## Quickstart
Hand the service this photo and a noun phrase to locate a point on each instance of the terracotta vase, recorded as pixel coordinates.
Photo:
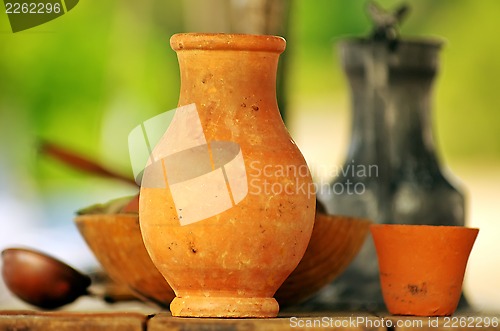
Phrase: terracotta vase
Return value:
(227, 204)
(422, 266)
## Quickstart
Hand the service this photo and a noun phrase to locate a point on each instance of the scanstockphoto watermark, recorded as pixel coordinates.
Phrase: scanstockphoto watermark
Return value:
(355, 322)
(263, 179)
(26, 14)
(350, 169)
(372, 322)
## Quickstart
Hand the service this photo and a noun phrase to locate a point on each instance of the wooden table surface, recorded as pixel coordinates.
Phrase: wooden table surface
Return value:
(28, 320)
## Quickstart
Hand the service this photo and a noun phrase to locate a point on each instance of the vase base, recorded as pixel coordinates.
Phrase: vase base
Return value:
(224, 307)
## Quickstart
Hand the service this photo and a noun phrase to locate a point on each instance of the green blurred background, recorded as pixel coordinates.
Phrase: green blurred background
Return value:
(87, 78)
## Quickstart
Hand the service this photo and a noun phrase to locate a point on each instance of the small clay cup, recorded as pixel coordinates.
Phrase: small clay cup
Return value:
(422, 266)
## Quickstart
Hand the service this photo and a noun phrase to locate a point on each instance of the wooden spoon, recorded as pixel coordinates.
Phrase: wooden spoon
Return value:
(42, 280)
(80, 162)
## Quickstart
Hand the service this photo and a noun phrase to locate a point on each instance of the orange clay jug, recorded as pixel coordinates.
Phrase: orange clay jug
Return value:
(227, 203)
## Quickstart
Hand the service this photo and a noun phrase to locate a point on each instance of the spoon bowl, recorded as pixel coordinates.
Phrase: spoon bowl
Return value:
(40, 279)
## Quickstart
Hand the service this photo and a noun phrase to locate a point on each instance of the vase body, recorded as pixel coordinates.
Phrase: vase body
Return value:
(391, 173)
(226, 259)
(422, 267)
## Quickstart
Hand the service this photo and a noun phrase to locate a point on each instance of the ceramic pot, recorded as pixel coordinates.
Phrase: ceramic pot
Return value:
(422, 267)
(227, 203)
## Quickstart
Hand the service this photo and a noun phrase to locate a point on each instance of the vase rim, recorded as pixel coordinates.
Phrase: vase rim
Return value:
(226, 41)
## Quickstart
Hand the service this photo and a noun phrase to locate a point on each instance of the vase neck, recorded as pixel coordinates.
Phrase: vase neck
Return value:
(232, 81)
(227, 67)
(219, 75)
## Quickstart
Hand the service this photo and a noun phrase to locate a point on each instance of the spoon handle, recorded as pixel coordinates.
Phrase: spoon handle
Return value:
(79, 162)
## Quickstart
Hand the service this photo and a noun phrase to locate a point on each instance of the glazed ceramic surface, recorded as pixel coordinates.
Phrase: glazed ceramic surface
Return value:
(227, 204)
(422, 267)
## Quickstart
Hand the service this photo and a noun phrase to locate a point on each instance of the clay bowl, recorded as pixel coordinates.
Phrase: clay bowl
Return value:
(335, 241)
(117, 244)
(422, 266)
(116, 241)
